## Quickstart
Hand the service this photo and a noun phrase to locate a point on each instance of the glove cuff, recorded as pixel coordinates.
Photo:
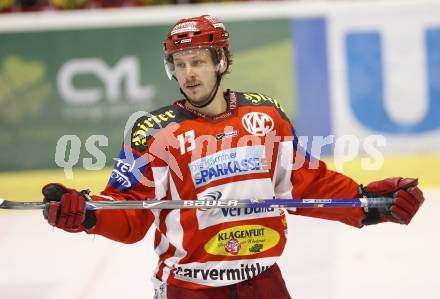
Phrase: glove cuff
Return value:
(372, 215)
(89, 220)
(90, 216)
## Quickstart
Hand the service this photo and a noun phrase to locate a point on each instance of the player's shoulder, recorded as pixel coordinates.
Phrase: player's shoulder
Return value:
(148, 124)
(259, 99)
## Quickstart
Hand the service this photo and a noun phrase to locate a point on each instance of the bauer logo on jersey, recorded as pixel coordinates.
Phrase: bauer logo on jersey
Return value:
(228, 163)
(127, 169)
(257, 123)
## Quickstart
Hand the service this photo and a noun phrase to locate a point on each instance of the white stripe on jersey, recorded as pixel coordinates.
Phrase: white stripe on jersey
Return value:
(174, 233)
(164, 243)
(163, 246)
(282, 183)
(160, 178)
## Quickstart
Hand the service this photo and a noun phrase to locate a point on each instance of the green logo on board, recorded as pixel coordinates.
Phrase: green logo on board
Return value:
(24, 89)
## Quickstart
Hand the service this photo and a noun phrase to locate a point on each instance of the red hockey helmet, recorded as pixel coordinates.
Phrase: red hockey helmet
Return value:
(199, 32)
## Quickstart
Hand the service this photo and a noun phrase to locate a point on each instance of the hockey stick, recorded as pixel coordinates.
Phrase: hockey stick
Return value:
(374, 202)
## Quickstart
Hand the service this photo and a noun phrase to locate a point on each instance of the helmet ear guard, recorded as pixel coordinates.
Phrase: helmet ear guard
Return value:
(169, 66)
(221, 57)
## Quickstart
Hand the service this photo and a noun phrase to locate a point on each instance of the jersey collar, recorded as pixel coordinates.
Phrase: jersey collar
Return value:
(232, 105)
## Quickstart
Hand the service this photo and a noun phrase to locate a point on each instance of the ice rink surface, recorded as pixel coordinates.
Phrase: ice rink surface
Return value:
(322, 260)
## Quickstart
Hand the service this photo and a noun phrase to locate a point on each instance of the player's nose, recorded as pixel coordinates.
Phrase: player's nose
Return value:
(189, 71)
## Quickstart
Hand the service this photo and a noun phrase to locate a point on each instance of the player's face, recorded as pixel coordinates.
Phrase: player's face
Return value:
(196, 73)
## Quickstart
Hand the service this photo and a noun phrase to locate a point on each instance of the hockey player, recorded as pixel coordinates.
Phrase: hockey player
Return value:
(217, 143)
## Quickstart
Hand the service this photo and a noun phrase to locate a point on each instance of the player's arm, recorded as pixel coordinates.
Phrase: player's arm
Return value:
(325, 183)
(310, 178)
(137, 175)
(67, 206)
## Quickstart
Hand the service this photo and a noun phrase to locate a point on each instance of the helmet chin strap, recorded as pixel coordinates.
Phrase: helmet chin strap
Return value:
(209, 99)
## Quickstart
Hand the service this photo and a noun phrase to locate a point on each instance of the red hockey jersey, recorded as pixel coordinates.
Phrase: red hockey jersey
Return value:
(250, 151)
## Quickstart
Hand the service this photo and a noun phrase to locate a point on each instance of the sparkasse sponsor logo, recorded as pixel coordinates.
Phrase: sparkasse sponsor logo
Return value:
(227, 163)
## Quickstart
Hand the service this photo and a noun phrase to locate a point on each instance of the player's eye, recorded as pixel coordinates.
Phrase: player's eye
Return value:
(179, 65)
(197, 62)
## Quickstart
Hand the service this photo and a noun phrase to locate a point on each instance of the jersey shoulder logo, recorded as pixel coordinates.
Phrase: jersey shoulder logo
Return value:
(259, 99)
(149, 124)
(257, 123)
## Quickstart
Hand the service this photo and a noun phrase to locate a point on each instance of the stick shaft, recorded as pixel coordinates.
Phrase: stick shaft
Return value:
(225, 203)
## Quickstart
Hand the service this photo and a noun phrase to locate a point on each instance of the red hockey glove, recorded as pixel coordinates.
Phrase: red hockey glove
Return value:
(407, 200)
(67, 208)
